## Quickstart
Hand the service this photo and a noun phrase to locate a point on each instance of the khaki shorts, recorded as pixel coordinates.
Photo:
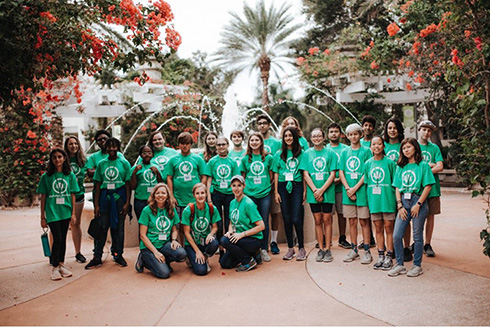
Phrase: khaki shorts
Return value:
(383, 216)
(275, 207)
(434, 205)
(338, 206)
(351, 211)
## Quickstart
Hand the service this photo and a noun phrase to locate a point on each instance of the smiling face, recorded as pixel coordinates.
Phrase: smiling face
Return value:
(72, 146)
(425, 133)
(291, 123)
(392, 131)
(112, 150)
(101, 141)
(236, 139)
(158, 142)
(211, 140)
(222, 147)
(161, 196)
(146, 154)
(368, 128)
(58, 159)
(317, 137)
(200, 195)
(254, 142)
(408, 150)
(263, 126)
(354, 137)
(237, 188)
(377, 145)
(288, 138)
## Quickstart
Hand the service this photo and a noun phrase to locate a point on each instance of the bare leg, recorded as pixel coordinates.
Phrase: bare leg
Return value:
(389, 225)
(429, 228)
(380, 235)
(353, 230)
(327, 224)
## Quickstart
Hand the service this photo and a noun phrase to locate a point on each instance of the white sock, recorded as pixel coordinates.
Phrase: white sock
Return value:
(274, 235)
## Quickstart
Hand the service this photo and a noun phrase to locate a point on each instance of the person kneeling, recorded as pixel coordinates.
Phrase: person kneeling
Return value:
(200, 221)
(242, 241)
(158, 234)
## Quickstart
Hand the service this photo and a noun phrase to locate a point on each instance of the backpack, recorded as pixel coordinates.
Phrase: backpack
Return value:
(193, 211)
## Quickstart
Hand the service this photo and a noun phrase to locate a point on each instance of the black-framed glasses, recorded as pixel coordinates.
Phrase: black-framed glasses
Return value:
(263, 123)
(221, 144)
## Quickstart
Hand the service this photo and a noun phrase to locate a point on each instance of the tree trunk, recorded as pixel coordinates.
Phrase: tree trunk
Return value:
(265, 67)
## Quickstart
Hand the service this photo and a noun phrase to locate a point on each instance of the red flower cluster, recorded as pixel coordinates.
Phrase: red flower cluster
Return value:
(455, 59)
(392, 29)
(313, 51)
(428, 30)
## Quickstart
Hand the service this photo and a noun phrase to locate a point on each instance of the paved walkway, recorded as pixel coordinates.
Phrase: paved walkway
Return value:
(452, 291)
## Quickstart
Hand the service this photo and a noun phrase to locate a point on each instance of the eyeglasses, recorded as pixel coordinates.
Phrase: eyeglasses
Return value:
(263, 123)
(221, 144)
(100, 139)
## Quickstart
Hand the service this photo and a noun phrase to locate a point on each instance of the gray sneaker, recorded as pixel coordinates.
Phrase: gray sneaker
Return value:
(351, 256)
(265, 256)
(397, 270)
(328, 256)
(367, 258)
(387, 263)
(379, 264)
(289, 255)
(320, 255)
(301, 255)
(415, 271)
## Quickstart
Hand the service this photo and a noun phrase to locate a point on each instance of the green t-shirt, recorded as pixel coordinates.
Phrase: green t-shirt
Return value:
(304, 143)
(257, 175)
(289, 170)
(112, 174)
(432, 154)
(392, 151)
(352, 164)
(160, 159)
(413, 178)
(159, 226)
(378, 177)
(338, 150)
(319, 165)
(202, 223)
(186, 171)
(243, 216)
(146, 179)
(58, 189)
(97, 157)
(365, 143)
(79, 174)
(237, 156)
(221, 170)
(272, 145)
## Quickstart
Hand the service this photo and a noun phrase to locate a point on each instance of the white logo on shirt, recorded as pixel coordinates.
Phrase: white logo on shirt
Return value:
(161, 161)
(408, 178)
(163, 223)
(377, 174)
(223, 171)
(185, 168)
(200, 225)
(149, 176)
(319, 163)
(111, 173)
(392, 154)
(353, 163)
(75, 168)
(267, 148)
(292, 164)
(257, 168)
(60, 186)
(427, 156)
(234, 216)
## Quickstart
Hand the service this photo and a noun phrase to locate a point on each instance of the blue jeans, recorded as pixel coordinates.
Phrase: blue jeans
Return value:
(418, 230)
(222, 202)
(162, 270)
(239, 252)
(208, 250)
(117, 234)
(139, 205)
(293, 211)
(264, 206)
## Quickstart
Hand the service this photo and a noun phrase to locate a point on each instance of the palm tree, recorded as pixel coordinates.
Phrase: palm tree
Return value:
(261, 40)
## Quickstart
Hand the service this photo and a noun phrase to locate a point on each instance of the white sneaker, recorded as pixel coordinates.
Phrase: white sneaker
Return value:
(415, 271)
(55, 273)
(351, 256)
(366, 258)
(397, 270)
(64, 272)
(208, 267)
(265, 256)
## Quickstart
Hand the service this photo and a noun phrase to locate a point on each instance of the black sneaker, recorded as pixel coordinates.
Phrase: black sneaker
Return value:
(412, 247)
(407, 255)
(94, 263)
(361, 245)
(428, 251)
(343, 243)
(249, 266)
(80, 258)
(139, 264)
(258, 257)
(274, 248)
(120, 261)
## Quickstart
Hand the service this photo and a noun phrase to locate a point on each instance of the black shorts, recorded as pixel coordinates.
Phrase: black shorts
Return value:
(321, 207)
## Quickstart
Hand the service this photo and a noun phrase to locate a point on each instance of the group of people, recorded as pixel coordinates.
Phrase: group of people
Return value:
(192, 206)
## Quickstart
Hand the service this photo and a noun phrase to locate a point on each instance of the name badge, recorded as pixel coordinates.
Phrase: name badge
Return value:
(376, 190)
(288, 177)
(162, 237)
(407, 196)
(187, 177)
(353, 175)
(149, 189)
(60, 200)
(223, 184)
(257, 180)
(319, 176)
(111, 186)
